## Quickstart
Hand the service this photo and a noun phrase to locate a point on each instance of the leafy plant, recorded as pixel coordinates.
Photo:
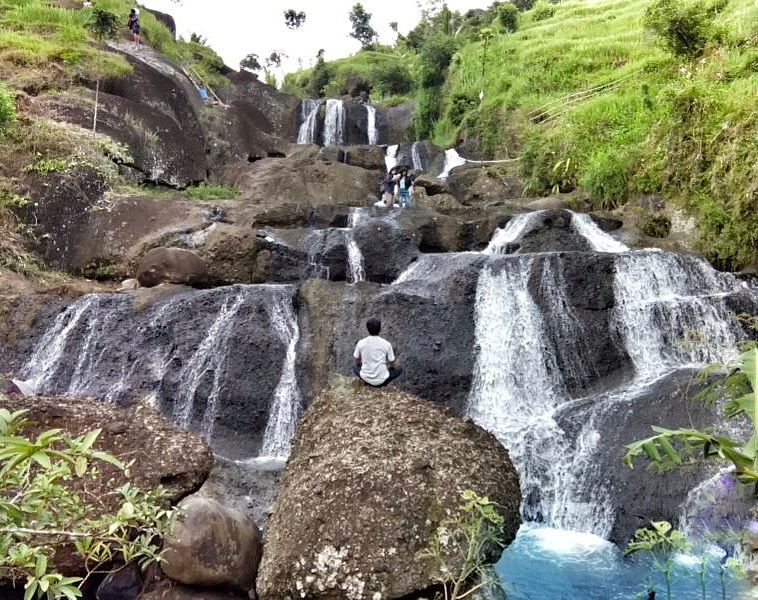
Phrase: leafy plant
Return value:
(7, 108)
(45, 504)
(104, 26)
(542, 10)
(459, 547)
(685, 26)
(507, 16)
(660, 541)
(669, 448)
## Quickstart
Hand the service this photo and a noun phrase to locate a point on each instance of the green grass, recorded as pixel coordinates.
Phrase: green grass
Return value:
(208, 191)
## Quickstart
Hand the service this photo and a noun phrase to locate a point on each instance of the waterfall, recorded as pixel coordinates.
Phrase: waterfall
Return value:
(309, 110)
(373, 133)
(209, 358)
(514, 230)
(390, 157)
(334, 123)
(418, 165)
(598, 239)
(452, 160)
(516, 386)
(194, 352)
(287, 404)
(356, 271)
(671, 311)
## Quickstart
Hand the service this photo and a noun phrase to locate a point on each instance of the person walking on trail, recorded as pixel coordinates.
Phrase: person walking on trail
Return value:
(375, 358)
(134, 27)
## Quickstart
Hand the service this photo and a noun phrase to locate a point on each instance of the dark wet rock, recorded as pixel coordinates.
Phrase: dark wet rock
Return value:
(431, 184)
(396, 123)
(365, 157)
(422, 157)
(172, 265)
(211, 545)
(125, 583)
(164, 18)
(169, 591)
(356, 122)
(637, 495)
(387, 249)
(554, 232)
(380, 468)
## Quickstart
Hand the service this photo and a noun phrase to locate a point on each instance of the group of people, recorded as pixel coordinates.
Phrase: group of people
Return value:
(398, 188)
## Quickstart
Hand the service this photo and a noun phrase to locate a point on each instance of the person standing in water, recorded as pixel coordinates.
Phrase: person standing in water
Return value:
(134, 27)
(375, 358)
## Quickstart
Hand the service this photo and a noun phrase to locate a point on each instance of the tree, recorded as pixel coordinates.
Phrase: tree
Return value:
(393, 26)
(104, 25)
(46, 503)
(251, 63)
(684, 27)
(507, 15)
(196, 38)
(294, 19)
(275, 59)
(362, 30)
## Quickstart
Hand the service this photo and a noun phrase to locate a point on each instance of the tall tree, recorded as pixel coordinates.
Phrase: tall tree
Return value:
(362, 29)
(294, 19)
(104, 26)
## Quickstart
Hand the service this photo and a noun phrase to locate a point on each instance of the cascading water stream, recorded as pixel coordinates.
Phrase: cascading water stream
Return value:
(188, 356)
(309, 110)
(452, 160)
(515, 229)
(356, 270)
(598, 239)
(418, 164)
(287, 404)
(334, 123)
(390, 157)
(371, 130)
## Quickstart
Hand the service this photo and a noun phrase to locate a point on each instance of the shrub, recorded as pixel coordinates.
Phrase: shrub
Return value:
(657, 226)
(320, 77)
(7, 108)
(523, 5)
(606, 176)
(542, 10)
(392, 79)
(460, 104)
(685, 26)
(436, 54)
(45, 504)
(427, 112)
(507, 16)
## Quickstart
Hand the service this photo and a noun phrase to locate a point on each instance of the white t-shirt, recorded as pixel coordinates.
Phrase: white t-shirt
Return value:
(375, 352)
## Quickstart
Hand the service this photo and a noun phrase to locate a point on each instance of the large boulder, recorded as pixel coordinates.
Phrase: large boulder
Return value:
(172, 265)
(478, 185)
(371, 474)
(212, 545)
(387, 249)
(396, 123)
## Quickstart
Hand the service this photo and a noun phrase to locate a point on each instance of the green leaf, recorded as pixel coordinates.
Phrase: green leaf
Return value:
(81, 466)
(41, 458)
(89, 439)
(40, 567)
(31, 589)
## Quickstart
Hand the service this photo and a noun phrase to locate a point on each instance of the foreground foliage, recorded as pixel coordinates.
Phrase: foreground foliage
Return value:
(670, 448)
(46, 507)
(459, 547)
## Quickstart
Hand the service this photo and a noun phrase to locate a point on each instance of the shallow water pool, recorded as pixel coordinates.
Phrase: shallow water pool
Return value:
(554, 564)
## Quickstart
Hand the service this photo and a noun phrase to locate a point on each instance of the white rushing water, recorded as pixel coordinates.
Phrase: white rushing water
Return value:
(516, 387)
(671, 311)
(287, 404)
(452, 160)
(418, 164)
(355, 269)
(599, 239)
(309, 110)
(373, 132)
(514, 230)
(390, 157)
(334, 123)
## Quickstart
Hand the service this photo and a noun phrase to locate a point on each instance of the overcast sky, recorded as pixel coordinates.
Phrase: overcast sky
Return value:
(235, 28)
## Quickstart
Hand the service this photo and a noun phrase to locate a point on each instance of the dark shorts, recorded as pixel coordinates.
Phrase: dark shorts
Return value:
(136, 29)
(395, 372)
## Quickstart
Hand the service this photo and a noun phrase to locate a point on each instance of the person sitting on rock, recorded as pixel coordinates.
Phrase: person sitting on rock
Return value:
(375, 358)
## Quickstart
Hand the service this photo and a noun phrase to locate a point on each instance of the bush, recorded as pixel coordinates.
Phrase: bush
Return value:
(320, 77)
(542, 10)
(427, 112)
(436, 54)
(7, 108)
(507, 16)
(523, 5)
(607, 175)
(685, 26)
(392, 79)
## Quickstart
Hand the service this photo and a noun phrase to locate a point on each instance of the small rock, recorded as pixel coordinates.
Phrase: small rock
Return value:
(212, 545)
(129, 284)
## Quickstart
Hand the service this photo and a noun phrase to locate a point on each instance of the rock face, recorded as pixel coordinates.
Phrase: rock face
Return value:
(379, 469)
(212, 545)
(172, 265)
(164, 454)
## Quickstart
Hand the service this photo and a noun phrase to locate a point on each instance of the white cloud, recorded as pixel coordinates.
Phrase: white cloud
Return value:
(235, 28)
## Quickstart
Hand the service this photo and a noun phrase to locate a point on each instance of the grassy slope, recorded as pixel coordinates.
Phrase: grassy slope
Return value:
(688, 130)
